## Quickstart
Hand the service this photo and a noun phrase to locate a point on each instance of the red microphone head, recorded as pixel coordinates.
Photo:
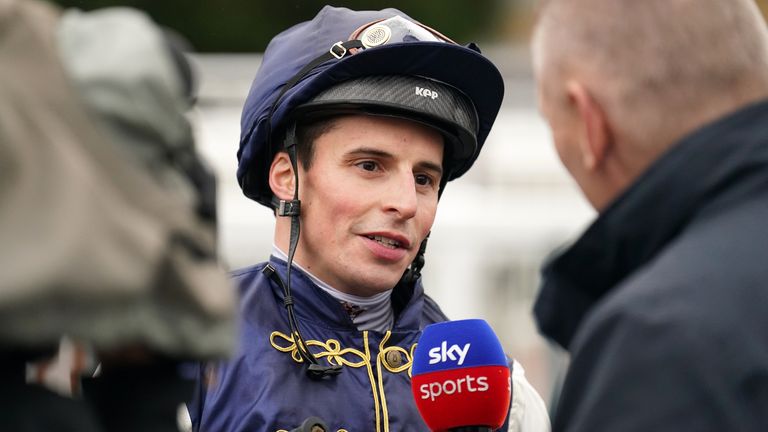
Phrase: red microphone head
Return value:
(461, 376)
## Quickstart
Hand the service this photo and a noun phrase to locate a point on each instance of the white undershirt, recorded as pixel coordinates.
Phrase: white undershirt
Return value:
(368, 313)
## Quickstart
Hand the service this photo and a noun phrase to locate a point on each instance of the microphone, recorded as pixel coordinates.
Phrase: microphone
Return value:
(461, 379)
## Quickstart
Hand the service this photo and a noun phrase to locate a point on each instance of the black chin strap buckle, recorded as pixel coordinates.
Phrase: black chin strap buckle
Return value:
(317, 371)
(289, 208)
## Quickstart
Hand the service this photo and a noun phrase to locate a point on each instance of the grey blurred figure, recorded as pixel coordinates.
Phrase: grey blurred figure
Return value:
(107, 219)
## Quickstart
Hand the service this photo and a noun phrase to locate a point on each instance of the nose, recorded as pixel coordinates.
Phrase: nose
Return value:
(401, 197)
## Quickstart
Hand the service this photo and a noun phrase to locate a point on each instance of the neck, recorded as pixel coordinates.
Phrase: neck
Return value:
(366, 312)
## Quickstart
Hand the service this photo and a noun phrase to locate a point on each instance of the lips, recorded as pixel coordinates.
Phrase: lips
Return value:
(389, 247)
(386, 242)
(390, 240)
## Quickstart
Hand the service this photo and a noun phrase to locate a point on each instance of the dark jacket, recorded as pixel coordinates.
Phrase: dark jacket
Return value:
(264, 388)
(663, 302)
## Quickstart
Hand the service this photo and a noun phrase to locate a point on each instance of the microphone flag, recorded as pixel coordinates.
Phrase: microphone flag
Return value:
(461, 376)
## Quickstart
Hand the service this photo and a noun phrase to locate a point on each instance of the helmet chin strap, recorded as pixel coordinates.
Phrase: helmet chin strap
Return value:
(413, 272)
(292, 209)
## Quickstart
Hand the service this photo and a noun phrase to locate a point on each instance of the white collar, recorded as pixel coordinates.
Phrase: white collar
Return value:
(368, 313)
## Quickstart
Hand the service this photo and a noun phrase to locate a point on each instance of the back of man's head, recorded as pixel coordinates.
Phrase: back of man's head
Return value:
(658, 68)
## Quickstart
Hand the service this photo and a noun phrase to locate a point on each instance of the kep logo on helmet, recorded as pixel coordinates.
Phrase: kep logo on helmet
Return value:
(426, 92)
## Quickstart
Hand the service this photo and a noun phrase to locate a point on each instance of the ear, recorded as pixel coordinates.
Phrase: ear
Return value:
(281, 177)
(598, 137)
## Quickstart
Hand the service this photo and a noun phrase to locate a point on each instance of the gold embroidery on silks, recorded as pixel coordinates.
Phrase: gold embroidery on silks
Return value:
(410, 361)
(331, 349)
(408, 356)
(373, 382)
(379, 359)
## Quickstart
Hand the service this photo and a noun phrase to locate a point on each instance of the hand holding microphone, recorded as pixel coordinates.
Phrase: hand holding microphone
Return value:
(461, 379)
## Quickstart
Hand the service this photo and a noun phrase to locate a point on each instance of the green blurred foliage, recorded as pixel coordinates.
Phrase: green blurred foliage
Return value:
(248, 25)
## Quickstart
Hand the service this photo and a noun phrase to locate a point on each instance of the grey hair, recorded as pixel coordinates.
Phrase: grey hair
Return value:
(653, 62)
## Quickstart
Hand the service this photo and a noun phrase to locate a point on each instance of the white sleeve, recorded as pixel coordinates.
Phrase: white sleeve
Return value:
(528, 412)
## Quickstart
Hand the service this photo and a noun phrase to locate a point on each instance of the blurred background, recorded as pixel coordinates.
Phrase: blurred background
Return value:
(495, 226)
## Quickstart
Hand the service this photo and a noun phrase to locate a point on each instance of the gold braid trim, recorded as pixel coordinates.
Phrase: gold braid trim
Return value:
(373, 382)
(408, 356)
(331, 349)
(382, 361)
(379, 362)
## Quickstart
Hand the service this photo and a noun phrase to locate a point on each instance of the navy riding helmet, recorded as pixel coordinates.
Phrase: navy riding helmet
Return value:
(376, 62)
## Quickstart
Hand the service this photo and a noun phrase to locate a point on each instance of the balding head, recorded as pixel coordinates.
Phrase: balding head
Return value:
(657, 69)
(652, 61)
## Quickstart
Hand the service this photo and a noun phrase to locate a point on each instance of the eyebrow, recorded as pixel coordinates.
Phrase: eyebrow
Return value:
(368, 151)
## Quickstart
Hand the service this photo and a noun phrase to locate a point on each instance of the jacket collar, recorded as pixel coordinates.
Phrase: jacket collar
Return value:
(312, 304)
(649, 214)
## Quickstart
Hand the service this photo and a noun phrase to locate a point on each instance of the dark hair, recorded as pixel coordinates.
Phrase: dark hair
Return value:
(307, 132)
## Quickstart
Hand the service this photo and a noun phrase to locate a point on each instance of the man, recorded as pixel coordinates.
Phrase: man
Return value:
(658, 110)
(354, 124)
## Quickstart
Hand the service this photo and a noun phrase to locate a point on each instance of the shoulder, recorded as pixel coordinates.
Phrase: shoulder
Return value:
(254, 290)
(725, 244)
(431, 312)
(247, 272)
(711, 275)
(248, 278)
(651, 311)
(663, 333)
